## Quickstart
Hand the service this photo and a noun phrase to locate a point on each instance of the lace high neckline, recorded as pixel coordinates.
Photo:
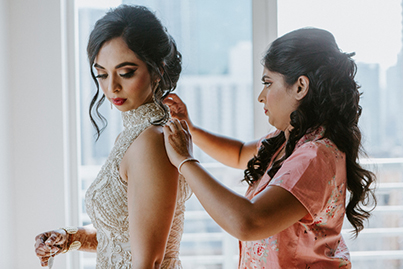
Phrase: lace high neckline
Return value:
(145, 113)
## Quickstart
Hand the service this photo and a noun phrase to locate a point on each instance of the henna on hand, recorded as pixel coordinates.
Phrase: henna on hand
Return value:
(50, 243)
(58, 241)
(178, 141)
(87, 236)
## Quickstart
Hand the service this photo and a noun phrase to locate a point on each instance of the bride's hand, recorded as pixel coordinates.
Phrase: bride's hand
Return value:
(178, 141)
(50, 243)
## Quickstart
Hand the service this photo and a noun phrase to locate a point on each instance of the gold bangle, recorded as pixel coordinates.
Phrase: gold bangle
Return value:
(70, 230)
(74, 245)
(184, 161)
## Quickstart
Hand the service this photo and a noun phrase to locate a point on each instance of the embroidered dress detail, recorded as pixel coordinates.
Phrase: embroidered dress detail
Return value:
(106, 200)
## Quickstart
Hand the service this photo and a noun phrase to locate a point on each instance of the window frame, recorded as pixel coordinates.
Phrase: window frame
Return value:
(71, 121)
(262, 34)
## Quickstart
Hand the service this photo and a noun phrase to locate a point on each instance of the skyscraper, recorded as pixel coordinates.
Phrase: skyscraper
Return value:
(394, 116)
(370, 121)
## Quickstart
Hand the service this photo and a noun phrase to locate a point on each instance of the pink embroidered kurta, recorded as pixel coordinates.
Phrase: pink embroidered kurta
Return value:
(315, 174)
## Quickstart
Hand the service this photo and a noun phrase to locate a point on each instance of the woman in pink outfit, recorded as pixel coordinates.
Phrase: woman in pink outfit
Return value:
(299, 175)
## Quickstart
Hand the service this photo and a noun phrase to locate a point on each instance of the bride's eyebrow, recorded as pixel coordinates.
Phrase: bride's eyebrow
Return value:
(118, 66)
(125, 63)
(265, 77)
(98, 66)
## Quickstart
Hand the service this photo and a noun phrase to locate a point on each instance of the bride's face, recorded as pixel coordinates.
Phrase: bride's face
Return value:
(122, 76)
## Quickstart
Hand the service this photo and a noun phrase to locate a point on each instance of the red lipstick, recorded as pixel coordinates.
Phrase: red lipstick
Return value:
(118, 101)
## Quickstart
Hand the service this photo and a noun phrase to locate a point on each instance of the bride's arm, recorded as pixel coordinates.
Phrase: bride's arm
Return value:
(152, 187)
(87, 236)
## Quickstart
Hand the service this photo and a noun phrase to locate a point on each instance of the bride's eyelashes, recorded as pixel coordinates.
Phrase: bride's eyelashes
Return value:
(128, 74)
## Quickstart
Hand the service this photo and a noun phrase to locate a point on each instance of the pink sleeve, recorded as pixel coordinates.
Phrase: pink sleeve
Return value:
(307, 174)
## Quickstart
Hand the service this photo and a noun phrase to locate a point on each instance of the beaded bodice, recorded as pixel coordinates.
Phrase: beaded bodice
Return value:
(106, 200)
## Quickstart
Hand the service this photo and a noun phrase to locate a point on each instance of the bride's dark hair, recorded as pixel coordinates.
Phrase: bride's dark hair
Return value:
(149, 40)
(332, 102)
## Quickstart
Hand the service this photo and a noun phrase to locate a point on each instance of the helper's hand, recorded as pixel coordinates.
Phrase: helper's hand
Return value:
(178, 109)
(50, 243)
(178, 141)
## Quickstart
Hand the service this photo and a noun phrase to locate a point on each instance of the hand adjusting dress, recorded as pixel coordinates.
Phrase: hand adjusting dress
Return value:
(106, 200)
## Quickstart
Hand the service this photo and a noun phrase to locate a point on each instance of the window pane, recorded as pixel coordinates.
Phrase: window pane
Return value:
(215, 39)
(373, 30)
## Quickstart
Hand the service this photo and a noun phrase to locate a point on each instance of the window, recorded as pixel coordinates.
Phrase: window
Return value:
(217, 83)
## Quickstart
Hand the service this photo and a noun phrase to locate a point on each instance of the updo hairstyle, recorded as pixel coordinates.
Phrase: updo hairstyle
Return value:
(149, 40)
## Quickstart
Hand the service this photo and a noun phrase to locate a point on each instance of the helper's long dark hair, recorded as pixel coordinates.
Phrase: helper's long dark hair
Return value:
(332, 101)
(149, 40)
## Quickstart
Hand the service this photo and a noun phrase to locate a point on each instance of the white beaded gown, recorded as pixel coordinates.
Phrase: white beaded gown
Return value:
(106, 200)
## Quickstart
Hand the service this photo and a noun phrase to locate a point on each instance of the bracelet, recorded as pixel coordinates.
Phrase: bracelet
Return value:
(74, 245)
(184, 161)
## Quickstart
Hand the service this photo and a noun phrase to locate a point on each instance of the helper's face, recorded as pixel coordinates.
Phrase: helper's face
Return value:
(278, 99)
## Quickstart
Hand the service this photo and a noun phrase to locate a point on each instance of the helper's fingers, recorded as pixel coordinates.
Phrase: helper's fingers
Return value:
(174, 97)
(170, 126)
(167, 129)
(169, 102)
(175, 125)
(184, 125)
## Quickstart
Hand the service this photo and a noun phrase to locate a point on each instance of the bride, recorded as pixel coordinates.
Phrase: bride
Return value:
(136, 203)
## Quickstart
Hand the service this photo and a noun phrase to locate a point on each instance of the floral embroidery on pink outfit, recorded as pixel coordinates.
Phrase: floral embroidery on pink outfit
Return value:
(316, 175)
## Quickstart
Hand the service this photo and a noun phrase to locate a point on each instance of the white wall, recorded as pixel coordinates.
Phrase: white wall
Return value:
(6, 184)
(32, 179)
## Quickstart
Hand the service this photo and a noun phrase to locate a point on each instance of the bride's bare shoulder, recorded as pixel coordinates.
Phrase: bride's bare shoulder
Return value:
(147, 150)
(149, 143)
(151, 135)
